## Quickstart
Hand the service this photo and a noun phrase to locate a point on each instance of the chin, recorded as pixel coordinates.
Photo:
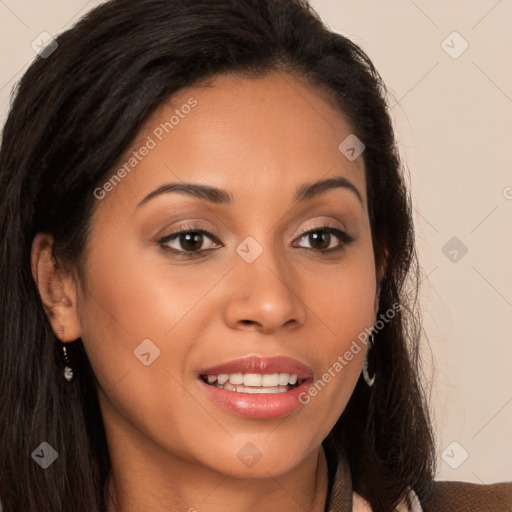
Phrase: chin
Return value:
(249, 462)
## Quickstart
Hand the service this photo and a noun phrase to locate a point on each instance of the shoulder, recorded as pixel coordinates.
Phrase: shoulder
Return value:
(454, 496)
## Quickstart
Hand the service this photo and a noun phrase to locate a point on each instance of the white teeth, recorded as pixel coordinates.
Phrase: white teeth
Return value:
(252, 390)
(221, 379)
(255, 380)
(236, 378)
(252, 379)
(263, 390)
(269, 381)
(229, 386)
(283, 379)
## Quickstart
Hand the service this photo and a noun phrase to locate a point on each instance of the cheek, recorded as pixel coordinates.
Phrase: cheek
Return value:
(132, 290)
(342, 297)
(342, 306)
(127, 303)
(135, 295)
(122, 306)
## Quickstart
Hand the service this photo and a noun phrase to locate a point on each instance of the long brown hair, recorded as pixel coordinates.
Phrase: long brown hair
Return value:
(74, 113)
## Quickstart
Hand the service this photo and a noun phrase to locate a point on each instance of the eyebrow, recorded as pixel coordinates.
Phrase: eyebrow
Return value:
(215, 195)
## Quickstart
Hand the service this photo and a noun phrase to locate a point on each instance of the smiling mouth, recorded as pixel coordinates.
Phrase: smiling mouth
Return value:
(254, 382)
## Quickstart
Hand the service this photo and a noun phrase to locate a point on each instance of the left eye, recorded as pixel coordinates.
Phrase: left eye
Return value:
(323, 236)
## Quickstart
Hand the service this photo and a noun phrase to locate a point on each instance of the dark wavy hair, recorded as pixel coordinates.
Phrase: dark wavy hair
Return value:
(73, 115)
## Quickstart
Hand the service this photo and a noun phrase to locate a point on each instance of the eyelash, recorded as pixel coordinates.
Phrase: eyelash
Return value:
(345, 240)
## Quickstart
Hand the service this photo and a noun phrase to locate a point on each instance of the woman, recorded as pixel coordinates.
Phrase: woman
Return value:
(207, 261)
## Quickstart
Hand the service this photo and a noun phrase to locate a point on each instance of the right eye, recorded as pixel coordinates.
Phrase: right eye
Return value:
(188, 241)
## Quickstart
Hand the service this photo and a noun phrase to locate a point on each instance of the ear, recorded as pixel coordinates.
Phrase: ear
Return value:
(57, 288)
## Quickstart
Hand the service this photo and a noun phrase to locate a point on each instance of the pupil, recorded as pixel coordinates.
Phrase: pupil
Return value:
(323, 237)
(189, 241)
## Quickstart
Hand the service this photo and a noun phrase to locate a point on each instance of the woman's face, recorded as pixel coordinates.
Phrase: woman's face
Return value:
(154, 317)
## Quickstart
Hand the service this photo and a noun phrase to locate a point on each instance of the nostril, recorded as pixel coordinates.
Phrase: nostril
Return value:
(248, 322)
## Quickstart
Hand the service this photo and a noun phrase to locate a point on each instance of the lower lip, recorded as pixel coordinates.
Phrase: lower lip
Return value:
(259, 406)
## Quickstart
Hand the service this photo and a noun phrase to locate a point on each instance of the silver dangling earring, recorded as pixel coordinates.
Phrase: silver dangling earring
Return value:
(68, 371)
(366, 376)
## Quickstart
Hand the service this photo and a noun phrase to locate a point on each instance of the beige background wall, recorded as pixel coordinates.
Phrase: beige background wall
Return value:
(453, 109)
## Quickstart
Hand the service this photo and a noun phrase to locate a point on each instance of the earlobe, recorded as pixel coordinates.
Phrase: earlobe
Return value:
(57, 289)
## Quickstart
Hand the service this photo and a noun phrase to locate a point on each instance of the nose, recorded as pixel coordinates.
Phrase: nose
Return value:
(265, 295)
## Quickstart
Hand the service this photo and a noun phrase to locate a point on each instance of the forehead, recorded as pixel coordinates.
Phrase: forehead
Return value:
(257, 137)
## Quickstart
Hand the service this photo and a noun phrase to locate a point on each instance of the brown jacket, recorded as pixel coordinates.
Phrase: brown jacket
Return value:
(446, 496)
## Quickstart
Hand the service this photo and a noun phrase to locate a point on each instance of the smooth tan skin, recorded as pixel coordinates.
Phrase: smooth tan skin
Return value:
(172, 449)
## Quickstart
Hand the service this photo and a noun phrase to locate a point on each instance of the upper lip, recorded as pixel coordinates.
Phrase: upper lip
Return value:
(262, 365)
